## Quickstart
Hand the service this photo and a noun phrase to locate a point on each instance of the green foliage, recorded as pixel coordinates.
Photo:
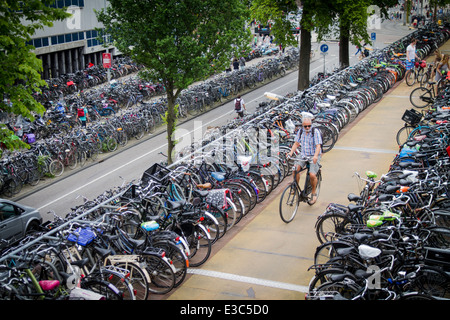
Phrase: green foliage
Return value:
(179, 42)
(20, 67)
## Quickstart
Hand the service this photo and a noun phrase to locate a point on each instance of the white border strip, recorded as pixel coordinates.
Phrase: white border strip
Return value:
(256, 281)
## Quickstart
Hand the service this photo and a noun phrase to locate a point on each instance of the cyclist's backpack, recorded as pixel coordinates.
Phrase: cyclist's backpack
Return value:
(237, 105)
(80, 112)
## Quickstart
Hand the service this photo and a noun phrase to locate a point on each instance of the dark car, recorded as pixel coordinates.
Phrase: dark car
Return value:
(16, 220)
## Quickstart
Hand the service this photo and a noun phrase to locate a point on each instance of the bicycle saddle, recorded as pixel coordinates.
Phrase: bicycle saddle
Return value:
(173, 205)
(200, 193)
(150, 225)
(219, 176)
(353, 197)
(204, 186)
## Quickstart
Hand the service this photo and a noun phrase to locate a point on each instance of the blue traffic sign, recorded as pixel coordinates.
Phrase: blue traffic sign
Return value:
(373, 36)
(324, 48)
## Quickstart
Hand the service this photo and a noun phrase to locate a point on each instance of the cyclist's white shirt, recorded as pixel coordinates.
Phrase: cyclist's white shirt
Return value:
(410, 52)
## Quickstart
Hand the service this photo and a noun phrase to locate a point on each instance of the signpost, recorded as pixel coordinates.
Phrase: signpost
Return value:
(107, 62)
(324, 49)
(373, 37)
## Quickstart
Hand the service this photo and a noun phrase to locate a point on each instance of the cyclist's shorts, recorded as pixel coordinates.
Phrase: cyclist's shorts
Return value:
(409, 64)
(313, 168)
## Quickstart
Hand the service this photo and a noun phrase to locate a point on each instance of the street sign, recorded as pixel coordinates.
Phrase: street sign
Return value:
(373, 36)
(324, 48)
(107, 60)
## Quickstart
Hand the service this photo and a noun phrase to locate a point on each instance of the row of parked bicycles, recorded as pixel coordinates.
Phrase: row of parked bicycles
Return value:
(141, 238)
(111, 126)
(392, 241)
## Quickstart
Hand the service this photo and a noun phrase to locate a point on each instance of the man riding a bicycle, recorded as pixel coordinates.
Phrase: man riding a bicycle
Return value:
(310, 141)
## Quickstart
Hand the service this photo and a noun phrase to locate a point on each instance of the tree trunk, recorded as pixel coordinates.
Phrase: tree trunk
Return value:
(171, 120)
(344, 59)
(305, 57)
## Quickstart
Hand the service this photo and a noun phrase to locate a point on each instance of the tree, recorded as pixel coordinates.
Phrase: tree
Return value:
(314, 16)
(20, 76)
(178, 42)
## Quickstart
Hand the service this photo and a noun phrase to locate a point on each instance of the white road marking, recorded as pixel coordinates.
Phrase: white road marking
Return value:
(250, 280)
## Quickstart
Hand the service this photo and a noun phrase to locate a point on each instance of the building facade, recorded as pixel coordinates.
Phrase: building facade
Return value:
(71, 45)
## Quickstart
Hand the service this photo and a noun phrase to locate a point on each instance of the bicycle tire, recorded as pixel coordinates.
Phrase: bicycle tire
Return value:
(56, 168)
(178, 258)
(421, 97)
(162, 276)
(331, 225)
(120, 281)
(138, 279)
(199, 243)
(289, 198)
(104, 288)
(410, 78)
(403, 134)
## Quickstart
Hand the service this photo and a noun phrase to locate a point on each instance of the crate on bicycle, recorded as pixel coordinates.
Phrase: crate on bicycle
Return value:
(157, 173)
(412, 117)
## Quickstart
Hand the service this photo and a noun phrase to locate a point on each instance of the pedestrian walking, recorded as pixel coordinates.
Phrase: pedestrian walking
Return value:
(235, 64)
(442, 67)
(82, 115)
(242, 63)
(239, 106)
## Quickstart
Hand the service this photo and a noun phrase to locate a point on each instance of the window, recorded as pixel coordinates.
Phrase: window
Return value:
(37, 43)
(75, 36)
(68, 37)
(54, 40)
(81, 35)
(60, 39)
(89, 42)
(88, 34)
(7, 211)
(45, 42)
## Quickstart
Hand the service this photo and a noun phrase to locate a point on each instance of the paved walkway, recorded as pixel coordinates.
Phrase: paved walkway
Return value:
(267, 259)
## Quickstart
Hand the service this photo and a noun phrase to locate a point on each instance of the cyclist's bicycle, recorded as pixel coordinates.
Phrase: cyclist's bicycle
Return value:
(293, 194)
(417, 74)
(423, 97)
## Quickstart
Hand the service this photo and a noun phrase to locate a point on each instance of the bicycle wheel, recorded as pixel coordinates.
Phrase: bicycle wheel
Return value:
(162, 276)
(138, 279)
(422, 77)
(178, 258)
(342, 289)
(216, 222)
(56, 168)
(410, 78)
(111, 144)
(119, 280)
(403, 134)
(72, 160)
(104, 288)
(332, 225)
(421, 97)
(199, 243)
(431, 281)
(289, 202)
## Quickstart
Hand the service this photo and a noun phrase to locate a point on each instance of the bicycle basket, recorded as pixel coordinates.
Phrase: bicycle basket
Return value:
(423, 64)
(157, 173)
(416, 64)
(412, 117)
(130, 193)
